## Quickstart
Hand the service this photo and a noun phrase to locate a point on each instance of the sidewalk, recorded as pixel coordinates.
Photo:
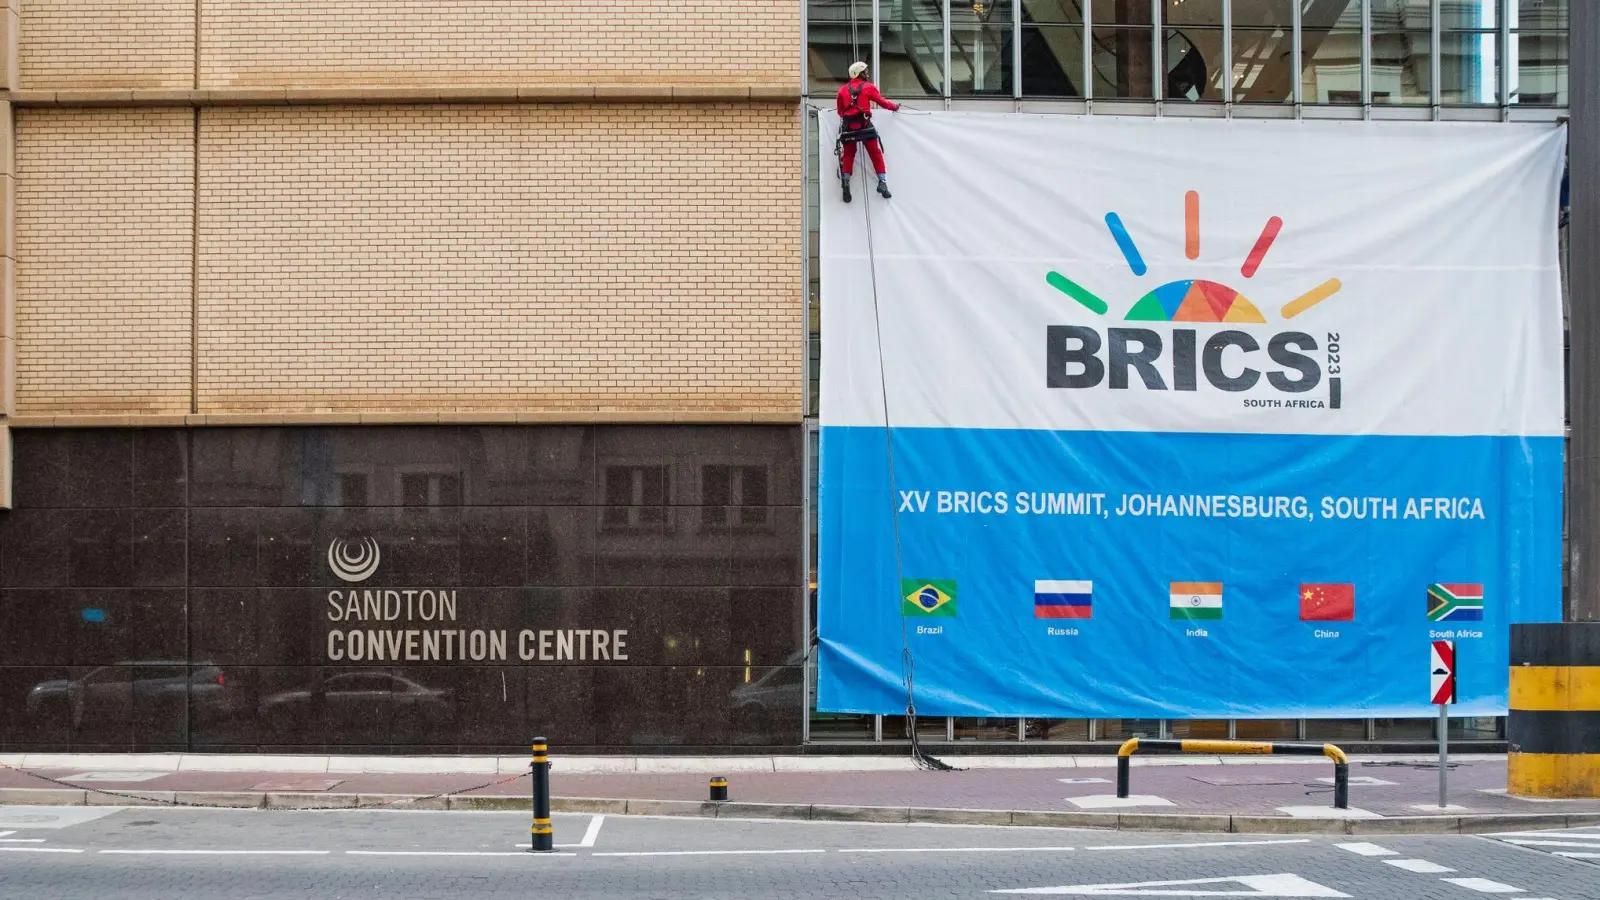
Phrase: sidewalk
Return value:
(1180, 793)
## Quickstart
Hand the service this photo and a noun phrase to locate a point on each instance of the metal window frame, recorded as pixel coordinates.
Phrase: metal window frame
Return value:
(1366, 58)
(1088, 56)
(1503, 60)
(877, 39)
(1436, 64)
(949, 84)
(1158, 69)
(1297, 57)
(1016, 71)
(1227, 57)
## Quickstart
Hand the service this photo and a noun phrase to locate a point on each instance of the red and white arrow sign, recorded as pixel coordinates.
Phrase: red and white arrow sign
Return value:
(1443, 672)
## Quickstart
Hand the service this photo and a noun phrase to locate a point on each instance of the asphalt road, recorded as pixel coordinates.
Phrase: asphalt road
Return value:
(87, 853)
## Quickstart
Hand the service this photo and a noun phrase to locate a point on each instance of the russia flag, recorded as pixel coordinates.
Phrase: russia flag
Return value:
(1063, 599)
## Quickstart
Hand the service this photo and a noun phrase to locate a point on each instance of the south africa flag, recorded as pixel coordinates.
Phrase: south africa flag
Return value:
(1455, 603)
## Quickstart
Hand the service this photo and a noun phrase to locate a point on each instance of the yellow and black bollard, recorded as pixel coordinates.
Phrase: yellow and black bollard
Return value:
(1553, 731)
(544, 836)
(719, 789)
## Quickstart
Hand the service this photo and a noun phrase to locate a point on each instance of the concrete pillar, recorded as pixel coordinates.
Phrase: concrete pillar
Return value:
(1583, 279)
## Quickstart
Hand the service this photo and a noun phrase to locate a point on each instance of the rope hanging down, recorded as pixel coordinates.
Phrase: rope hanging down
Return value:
(922, 758)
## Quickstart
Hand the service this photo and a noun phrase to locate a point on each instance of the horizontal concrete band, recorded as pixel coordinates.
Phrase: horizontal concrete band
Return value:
(1553, 774)
(545, 93)
(556, 417)
(1555, 688)
(1555, 644)
(1467, 824)
(1553, 731)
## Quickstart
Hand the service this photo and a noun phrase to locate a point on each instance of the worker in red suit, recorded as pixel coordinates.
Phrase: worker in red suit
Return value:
(855, 127)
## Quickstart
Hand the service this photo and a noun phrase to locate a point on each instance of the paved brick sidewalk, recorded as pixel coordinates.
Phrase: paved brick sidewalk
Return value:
(1382, 786)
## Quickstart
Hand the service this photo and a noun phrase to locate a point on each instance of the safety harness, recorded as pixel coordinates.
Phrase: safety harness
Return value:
(855, 125)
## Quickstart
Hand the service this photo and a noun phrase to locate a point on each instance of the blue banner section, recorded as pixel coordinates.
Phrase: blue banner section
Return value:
(1136, 575)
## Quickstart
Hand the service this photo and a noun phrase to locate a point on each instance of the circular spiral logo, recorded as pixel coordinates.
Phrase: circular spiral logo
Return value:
(353, 560)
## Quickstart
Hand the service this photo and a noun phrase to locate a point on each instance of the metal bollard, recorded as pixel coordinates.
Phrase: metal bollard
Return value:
(1341, 785)
(719, 789)
(1123, 764)
(544, 837)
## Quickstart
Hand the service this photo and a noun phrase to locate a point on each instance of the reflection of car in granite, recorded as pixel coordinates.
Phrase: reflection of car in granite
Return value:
(151, 688)
(352, 695)
(774, 697)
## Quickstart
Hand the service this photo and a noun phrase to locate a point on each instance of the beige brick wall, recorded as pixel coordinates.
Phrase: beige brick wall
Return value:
(340, 43)
(108, 43)
(249, 43)
(104, 205)
(500, 257)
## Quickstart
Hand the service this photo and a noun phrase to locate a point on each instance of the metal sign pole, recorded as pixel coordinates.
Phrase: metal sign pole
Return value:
(1444, 752)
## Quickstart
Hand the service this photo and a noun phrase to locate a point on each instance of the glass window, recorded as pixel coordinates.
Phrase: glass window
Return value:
(1330, 52)
(1469, 68)
(911, 51)
(929, 729)
(1122, 729)
(1404, 730)
(1266, 729)
(1537, 57)
(1402, 49)
(1056, 729)
(1122, 63)
(1122, 12)
(1052, 60)
(1263, 62)
(981, 57)
(1336, 729)
(1263, 13)
(1480, 728)
(986, 729)
(1539, 15)
(840, 32)
(1052, 48)
(1199, 729)
(1193, 57)
(1539, 69)
(1468, 14)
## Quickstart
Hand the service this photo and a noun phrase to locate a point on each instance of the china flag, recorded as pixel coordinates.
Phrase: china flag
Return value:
(1327, 602)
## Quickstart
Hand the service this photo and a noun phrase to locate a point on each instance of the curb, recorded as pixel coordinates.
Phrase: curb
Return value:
(1178, 822)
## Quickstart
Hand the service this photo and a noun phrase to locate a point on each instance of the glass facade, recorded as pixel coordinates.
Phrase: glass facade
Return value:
(1330, 58)
(1376, 53)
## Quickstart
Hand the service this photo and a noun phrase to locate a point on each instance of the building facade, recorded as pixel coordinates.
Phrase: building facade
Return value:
(405, 377)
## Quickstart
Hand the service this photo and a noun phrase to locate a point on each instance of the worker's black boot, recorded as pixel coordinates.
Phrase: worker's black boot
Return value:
(845, 183)
(883, 188)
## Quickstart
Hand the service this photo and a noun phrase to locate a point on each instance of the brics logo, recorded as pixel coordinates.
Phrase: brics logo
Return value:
(1294, 362)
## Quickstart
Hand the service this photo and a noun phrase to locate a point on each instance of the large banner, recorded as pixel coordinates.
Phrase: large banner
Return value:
(1187, 418)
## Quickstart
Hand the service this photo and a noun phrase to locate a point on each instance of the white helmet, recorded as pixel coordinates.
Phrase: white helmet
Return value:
(856, 68)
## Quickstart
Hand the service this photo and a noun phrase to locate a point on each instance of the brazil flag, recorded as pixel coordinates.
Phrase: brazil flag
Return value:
(928, 598)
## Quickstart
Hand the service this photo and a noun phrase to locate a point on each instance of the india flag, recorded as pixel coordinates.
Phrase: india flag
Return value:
(1196, 599)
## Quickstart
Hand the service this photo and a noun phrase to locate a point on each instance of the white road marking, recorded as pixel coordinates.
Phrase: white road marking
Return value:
(1420, 866)
(1361, 781)
(1484, 885)
(1327, 812)
(952, 849)
(1529, 842)
(1362, 848)
(1084, 780)
(1200, 844)
(37, 850)
(219, 852)
(1570, 855)
(1436, 808)
(1284, 885)
(1112, 801)
(593, 831)
(703, 852)
(450, 854)
(21, 840)
(115, 776)
(6, 833)
(1551, 832)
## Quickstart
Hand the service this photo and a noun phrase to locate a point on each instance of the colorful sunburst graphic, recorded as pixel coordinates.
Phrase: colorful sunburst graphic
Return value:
(1193, 299)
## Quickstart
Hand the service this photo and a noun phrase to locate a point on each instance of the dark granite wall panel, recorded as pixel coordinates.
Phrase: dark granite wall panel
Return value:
(612, 587)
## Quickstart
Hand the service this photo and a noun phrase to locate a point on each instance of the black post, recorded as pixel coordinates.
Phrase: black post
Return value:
(719, 789)
(1123, 765)
(544, 836)
(1583, 283)
(1341, 785)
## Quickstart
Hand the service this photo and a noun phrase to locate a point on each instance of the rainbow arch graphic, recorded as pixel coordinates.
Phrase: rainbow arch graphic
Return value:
(1193, 299)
